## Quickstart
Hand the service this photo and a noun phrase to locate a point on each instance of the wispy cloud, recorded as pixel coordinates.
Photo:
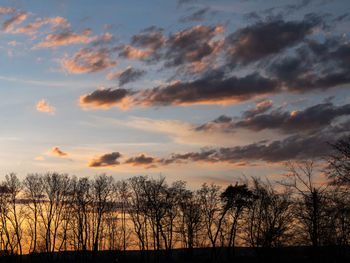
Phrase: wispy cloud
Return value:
(7, 10)
(15, 20)
(55, 22)
(65, 38)
(87, 60)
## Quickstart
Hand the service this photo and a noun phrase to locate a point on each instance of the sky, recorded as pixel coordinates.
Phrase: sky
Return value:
(201, 91)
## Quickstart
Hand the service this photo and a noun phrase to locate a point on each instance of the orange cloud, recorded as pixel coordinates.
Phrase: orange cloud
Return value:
(7, 10)
(8, 25)
(53, 21)
(142, 160)
(13, 43)
(87, 60)
(58, 152)
(134, 53)
(105, 98)
(43, 106)
(66, 38)
(108, 159)
(39, 158)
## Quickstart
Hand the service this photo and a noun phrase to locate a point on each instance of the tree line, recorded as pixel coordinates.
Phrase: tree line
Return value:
(56, 212)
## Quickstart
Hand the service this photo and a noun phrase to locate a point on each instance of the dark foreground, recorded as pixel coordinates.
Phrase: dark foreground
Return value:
(246, 255)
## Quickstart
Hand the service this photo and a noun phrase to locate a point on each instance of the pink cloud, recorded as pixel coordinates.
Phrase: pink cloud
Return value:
(8, 25)
(87, 60)
(43, 106)
(65, 38)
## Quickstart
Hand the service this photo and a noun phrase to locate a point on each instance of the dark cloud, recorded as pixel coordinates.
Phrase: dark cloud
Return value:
(196, 16)
(297, 6)
(262, 39)
(310, 119)
(153, 39)
(223, 119)
(145, 46)
(296, 147)
(210, 89)
(315, 65)
(203, 156)
(193, 49)
(151, 28)
(104, 98)
(130, 75)
(261, 107)
(108, 159)
(142, 160)
(192, 45)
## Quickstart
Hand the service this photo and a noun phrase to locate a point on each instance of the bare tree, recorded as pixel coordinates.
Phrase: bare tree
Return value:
(191, 217)
(102, 203)
(8, 243)
(56, 186)
(16, 213)
(81, 203)
(268, 216)
(311, 204)
(236, 198)
(124, 196)
(33, 189)
(213, 211)
(137, 211)
(339, 163)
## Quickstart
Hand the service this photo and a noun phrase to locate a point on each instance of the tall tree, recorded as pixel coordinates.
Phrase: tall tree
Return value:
(338, 169)
(236, 198)
(33, 189)
(102, 192)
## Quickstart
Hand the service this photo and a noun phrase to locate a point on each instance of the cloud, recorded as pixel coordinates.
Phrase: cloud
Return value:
(7, 10)
(193, 45)
(151, 39)
(296, 147)
(145, 46)
(105, 160)
(308, 120)
(196, 16)
(65, 38)
(316, 65)
(39, 158)
(261, 107)
(56, 150)
(142, 160)
(13, 43)
(8, 25)
(88, 60)
(262, 39)
(193, 48)
(211, 89)
(31, 28)
(43, 106)
(128, 75)
(103, 40)
(105, 98)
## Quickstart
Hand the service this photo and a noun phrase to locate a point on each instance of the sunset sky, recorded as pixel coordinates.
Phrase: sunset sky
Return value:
(202, 91)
